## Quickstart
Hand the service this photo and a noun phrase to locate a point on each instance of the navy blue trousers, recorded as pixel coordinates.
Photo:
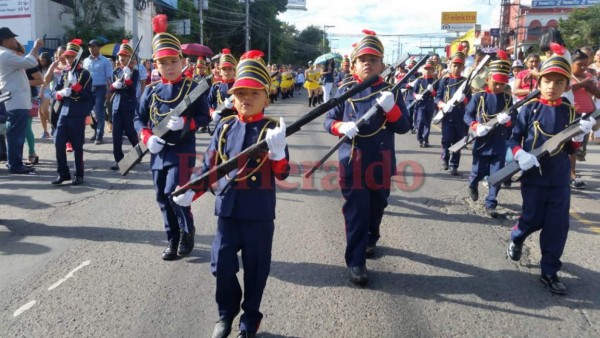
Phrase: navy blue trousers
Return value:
(545, 208)
(423, 118)
(363, 209)
(254, 239)
(122, 124)
(486, 165)
(99, 97)
(175, 217)
(69, 129)
(451, 133)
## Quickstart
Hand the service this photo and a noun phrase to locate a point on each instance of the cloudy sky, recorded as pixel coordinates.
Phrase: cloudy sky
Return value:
(388, 17)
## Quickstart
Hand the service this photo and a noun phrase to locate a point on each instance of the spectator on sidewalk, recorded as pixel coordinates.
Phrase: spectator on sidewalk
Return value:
(14, 80)
(101, 70)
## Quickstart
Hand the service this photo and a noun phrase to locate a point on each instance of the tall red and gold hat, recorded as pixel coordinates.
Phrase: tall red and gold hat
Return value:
(73, 47)
(252, 73)
(226, 59)
(125, 49)
(429, 64)
(164, 44)
(369, 44)
(500, 68)
(458, 56)
(200, 62)
(345, 60)
(559, 62)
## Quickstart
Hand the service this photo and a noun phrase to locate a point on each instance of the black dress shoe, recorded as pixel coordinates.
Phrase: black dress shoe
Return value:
(77, 180)
(474, 193)
(244, 334)
(170, 252)
(444, 166)
(514, 250)
(60, 180)
(370, 252)
(114, 167)
(425, 144)
(22, 170)
(554, 284)
(491, 212)
(358, 275)
(186, 243)
(222, 328)
(93, 138)
(453, 171)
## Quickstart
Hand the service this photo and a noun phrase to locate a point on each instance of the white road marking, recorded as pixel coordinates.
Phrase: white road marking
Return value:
(24, 308)
(69, 275)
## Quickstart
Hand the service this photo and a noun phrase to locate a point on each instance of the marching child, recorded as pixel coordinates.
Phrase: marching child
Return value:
(489, 149)
(173, 155)
(545, 190)
(453, 127)
(74, 90)
(123, 102)
(245, 203)
(367, 160)
(425, 107)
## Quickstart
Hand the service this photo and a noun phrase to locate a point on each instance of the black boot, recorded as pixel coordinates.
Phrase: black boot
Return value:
(222, 328)
(186, 243)
(170, 252)
(310, 101)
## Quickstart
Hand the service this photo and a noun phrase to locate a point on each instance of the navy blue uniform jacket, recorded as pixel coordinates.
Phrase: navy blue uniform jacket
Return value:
(483, 107)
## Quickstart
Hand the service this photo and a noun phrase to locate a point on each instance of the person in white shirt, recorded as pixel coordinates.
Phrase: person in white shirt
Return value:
(14, 80)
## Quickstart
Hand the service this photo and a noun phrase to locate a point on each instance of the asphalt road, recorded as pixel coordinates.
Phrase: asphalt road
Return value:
(85, 261)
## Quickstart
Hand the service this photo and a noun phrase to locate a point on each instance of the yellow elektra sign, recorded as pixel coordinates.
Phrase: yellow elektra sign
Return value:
(450, 18)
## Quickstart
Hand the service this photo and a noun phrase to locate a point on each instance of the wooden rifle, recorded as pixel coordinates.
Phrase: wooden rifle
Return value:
(425, 92)
(57, 105)
(551, 146)
(464, 89)
(135, 155)
(366, 116)
(203, 182)
(491, 124)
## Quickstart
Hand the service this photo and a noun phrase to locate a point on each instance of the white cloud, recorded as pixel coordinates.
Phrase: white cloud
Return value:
(388, 17)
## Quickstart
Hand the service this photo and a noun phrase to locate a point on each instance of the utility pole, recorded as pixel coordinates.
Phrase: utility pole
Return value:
(200, 9)
(134, 24)
(269, 50)
(518, 19)
(247, 25)
(323, 42)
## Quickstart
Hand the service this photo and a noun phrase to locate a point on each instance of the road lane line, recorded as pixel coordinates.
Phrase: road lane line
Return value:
(24, 308)
(69, 275)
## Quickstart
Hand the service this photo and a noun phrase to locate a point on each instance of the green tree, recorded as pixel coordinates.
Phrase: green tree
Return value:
(582, 27)
(92, 19)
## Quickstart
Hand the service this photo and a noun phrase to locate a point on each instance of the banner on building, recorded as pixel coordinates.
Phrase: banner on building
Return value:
(458, 21)
(296, 4)
(10, 9)
(564, 3)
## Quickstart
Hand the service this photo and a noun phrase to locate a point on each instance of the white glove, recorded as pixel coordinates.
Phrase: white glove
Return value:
(403, 90)
(228, 103)
(526, 160)
(71, 78)
(586, 125)
(185, 199)
(66, 92)
(447, 107)
(503, 118)
(117, 84)
(412, 84)
(175, 123)
(418, 97)
(276, 141)
(126, 73)
(386, 101)
(349, 129)
(460, 98)
(430, 87)
(482, 130)
(155, 144)
(214, 114)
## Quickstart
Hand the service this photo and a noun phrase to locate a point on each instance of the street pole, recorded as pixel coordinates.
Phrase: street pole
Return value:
(200, 9)
(269, 50)
(134, 25)
(247, 25)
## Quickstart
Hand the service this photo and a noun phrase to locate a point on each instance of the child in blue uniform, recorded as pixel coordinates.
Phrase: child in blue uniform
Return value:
(173, 155)
(489, 150)
(545, 190)
(425, 108)
(218, 92)
(123, 102)
(453, 127)
(368, 159)
(74, 90)
(245, 202)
